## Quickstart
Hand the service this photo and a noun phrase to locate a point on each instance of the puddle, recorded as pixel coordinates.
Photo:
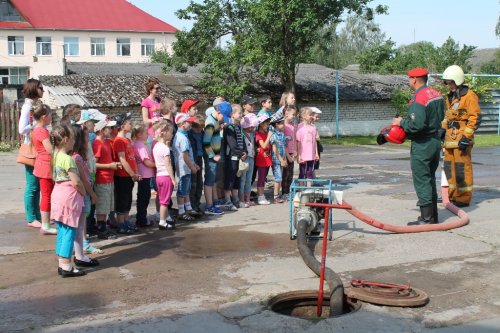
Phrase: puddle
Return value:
(217, 242)
(354, 184)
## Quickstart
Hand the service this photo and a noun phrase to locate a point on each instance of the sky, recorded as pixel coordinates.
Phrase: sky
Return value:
(467, 22)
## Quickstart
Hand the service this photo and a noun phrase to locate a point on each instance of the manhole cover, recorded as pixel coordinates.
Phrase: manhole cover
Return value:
(303, 304)
(386, 294)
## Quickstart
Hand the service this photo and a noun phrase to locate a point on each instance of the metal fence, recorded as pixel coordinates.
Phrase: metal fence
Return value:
(490, 114)
(9, 121)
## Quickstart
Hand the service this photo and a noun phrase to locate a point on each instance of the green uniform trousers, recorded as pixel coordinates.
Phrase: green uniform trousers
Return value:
(424, 163)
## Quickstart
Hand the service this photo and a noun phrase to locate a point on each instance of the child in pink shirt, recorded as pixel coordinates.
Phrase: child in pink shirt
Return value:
(146, 168)
(306, 145)
(290, 113)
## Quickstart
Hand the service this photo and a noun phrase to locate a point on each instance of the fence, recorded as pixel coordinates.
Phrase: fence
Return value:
(490, 114)
(9, 121)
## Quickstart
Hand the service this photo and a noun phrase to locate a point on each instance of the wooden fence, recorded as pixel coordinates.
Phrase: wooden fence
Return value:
(9, 121)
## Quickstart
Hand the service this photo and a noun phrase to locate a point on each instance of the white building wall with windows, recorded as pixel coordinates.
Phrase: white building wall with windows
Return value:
(33, 51)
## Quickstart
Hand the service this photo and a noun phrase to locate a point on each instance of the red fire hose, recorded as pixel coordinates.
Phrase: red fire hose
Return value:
(462, 220)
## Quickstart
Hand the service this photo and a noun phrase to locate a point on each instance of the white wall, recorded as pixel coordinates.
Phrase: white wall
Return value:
(53, 64)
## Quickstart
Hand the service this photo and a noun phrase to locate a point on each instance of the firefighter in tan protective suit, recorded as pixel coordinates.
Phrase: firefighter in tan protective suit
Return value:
(461, 120)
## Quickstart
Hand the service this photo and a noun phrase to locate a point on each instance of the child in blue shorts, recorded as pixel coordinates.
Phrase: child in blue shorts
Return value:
(185, 165)
(278, 154)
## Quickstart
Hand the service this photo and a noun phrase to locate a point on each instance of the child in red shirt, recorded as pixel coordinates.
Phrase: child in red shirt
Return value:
(263, 158)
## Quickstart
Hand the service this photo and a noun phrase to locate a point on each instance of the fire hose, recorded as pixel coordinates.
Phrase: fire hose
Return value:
(463, 219)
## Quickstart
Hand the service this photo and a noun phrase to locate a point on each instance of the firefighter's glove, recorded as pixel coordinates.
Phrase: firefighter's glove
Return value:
(441, 133)
(464, 143)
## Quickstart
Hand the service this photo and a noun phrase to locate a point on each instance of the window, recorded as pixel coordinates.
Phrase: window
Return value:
(123, 46)
(97, 47)
(71, 47)
(18, 75)
(43, 46)
(147, 46)
(16, 45)
(4, 76)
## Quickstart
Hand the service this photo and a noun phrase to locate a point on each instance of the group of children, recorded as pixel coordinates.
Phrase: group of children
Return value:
(88, 165)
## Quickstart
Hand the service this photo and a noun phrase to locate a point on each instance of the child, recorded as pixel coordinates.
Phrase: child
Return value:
(278, 155)
(196, 140)
(104, 180)
(211, 154)
(235, 149)
(79, 152)
(125, 177)
(145, 166)
(164, 173)
(67, 199)
(316, 116)
(249, 123)
(185, 165)
(248, 104)
(40, 139)
(70, 114)
(190, 107)
(306, 145)
(263, 157)
(266, 104)
(290, 113)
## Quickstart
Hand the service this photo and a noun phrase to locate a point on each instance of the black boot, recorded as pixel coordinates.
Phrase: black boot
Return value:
(435, 212)
(426, 215)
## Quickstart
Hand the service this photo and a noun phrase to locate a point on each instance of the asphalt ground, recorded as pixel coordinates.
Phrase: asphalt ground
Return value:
(217, 274)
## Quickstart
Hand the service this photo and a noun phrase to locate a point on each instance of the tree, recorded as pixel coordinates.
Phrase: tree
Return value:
(337, 50)
(265, 37)
(385, 59)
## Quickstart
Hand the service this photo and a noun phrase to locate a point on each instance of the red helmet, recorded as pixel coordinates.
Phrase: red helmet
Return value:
(392, 133)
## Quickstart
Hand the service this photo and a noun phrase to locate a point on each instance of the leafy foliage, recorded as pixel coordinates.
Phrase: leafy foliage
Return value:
(337, 50)
(385, 59)
(399, 100)
(264, 37)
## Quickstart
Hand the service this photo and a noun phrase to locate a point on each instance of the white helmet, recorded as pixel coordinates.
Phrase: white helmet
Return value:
(454, 73)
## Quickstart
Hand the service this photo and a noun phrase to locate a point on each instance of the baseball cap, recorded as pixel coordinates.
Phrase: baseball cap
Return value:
(248, 100)
(85, 116)
(187, 104)
(104, 123)
(276, 118)
(183, 117)
(226, 109)
(121, 118)
(315, 110)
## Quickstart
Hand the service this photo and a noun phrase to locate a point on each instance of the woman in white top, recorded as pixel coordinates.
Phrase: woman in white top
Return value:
(33, 91)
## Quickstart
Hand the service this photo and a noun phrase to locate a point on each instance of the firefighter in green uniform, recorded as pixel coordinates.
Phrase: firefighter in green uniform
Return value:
(425, 113)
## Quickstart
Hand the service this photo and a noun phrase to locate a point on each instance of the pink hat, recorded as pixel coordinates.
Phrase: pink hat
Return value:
(250, 120)
(262, 118)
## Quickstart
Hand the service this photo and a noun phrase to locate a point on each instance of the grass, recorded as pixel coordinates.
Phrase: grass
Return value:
(481, 140)
(6, 147)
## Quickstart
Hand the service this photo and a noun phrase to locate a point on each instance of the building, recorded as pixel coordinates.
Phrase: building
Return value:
(39, 37)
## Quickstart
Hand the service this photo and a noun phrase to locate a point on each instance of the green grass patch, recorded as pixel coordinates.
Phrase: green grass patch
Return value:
(481, 140)
(6, 147)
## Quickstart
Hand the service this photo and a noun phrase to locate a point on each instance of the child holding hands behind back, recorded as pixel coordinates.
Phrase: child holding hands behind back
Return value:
(306, 145)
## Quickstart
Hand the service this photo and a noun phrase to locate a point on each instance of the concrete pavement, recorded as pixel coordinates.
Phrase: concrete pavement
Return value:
(217, 274)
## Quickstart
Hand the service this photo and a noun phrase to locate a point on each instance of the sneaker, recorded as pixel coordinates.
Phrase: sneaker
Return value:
(251, 203)
(278, 200)
(231, 207)
(243, 205)
(106, 234)
(263, 201)
(213, 210)
(219, 202)
(89, 249)
(285, 197)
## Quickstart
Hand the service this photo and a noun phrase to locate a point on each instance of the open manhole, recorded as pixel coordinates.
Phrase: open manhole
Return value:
(303, 304)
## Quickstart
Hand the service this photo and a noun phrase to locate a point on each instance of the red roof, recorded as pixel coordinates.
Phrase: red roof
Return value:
(106, 15)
